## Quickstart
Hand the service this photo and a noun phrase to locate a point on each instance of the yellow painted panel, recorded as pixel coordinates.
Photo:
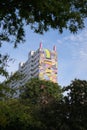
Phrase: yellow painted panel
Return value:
(47, 54)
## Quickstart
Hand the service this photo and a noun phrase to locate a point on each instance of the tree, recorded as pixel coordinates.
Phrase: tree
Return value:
(4, 92)
(3, 65)
(77, 92)
(40, 15)
(4, 60)
(40, 91)
(16, 116)
(75, 104)
(22, 113)
(67, 112)
(42, 96)
(70, 113)
(6, 89)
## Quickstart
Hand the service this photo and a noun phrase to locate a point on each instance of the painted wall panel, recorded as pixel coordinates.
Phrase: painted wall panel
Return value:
(48, 65)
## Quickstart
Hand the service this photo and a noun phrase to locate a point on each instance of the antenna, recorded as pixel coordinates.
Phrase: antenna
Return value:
(40, 45)
(54, 48)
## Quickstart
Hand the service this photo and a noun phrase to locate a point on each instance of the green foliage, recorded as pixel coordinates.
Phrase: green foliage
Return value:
(15, 116)
(40, 91)
(70, 113)
(14, 77)
(3, 65)
(40, 15)
(29, 112)
(76, 105)
(6, 92)
(77, 92)
(7, 84)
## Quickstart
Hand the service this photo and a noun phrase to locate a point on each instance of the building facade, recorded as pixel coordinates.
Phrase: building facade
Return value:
(41, 63)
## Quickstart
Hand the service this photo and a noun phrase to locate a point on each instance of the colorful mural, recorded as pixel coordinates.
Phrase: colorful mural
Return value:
(48, 65)
(47, 54)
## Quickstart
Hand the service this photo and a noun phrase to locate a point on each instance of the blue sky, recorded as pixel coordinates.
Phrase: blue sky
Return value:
(71, 49)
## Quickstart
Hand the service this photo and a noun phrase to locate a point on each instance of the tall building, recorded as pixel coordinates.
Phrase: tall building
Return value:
(41, 63)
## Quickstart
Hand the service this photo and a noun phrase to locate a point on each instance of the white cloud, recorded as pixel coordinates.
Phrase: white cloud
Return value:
(75, 48)
(83, 54)
(78, 38)
(59, 41)
(79, 44)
